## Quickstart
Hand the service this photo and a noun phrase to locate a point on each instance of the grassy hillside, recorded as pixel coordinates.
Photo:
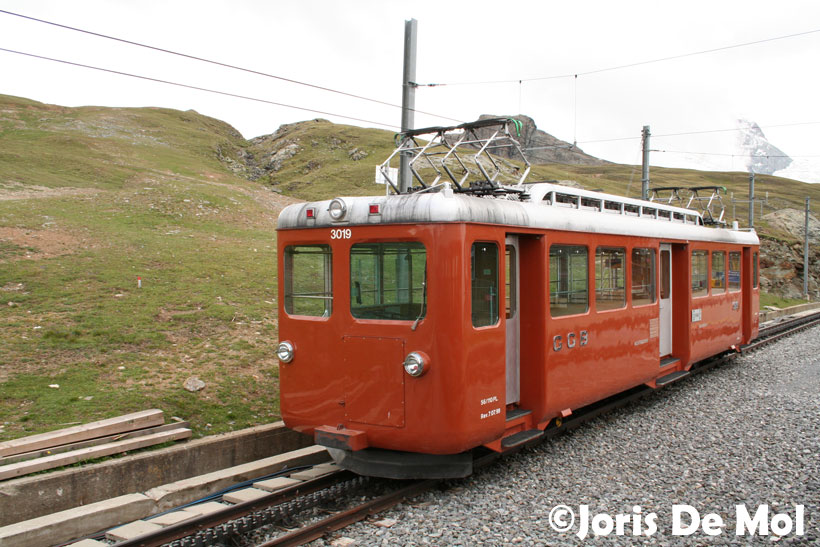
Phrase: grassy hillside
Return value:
(93, 198)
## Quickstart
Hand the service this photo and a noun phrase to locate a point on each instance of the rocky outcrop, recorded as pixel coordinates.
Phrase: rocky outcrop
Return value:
(781, 261)
(781, 269)
(793, 222)
(264, 157)
(540, 147)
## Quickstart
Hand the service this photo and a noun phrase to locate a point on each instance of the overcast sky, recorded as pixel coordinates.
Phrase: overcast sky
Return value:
(356, 47)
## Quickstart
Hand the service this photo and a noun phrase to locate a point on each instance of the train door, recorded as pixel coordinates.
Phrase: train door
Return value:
(513, 320)
(665, 330)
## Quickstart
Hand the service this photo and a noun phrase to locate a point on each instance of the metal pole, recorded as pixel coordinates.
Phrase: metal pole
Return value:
(645, 164)
(806, 255)
(408, 99)
(751, 199)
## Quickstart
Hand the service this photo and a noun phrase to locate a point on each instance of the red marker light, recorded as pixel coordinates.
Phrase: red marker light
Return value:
(311, 212)
(374, 209)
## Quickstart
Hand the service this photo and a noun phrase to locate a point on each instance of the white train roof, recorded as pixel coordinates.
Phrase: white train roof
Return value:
(549, 207)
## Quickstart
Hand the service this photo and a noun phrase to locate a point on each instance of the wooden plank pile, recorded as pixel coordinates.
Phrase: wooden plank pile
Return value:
(34, 453)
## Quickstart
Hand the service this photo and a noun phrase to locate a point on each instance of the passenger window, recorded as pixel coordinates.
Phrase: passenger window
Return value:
(643, 276)
(718, 272)
(569, 271)
(308, 280)
(754, 268)
(484, 290)
(388, 281)
(510, 283)
(610, 291)
(734, 271)
(666, 275)
(700, 273)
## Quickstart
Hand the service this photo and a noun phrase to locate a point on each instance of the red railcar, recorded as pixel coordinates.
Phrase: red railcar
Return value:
(416, 327)
(434, 323)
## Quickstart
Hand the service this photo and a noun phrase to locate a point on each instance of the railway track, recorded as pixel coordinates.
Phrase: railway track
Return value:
(781, 330)
(306, 502)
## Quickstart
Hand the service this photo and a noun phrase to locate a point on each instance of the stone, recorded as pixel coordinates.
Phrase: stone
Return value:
(247, 494)
(206, 508)
(357, 154)
(278, 483)
(315, 472)
(173, 518)
(194, 384)
(132, 530)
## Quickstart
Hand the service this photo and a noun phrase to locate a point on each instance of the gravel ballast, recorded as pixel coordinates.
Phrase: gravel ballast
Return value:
(745, 433)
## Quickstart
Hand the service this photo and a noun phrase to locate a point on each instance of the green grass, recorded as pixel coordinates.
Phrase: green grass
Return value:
(164, 209)
(105, 195)
(777, 301)
(205, 308)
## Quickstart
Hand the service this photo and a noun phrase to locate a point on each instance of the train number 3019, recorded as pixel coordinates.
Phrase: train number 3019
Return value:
(581, 339)
(341, 233)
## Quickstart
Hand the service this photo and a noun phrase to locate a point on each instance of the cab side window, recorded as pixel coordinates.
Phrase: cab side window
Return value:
(643, 276)
(308, 280)
(484, 283)
(734, 271)
(754, 270)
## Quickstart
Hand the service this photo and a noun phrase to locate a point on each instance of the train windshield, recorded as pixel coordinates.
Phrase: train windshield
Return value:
(387, 281)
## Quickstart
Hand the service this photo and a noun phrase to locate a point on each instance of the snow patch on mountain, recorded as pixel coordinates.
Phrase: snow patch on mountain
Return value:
(759, 155)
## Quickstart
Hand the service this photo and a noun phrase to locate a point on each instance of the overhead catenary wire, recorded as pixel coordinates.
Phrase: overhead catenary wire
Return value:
(224, 65)
(696, 132)
(353, 118)
(628, 65)
(726, 155)
(198, 88)
(393, 126)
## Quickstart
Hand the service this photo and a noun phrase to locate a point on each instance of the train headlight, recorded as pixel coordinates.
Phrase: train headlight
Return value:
(284, 351)
(416, 363)
(337, 209)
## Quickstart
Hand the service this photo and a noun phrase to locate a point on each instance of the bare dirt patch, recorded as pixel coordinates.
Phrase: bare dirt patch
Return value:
(16, 190)
(217, 348)
(25, 244)
(14, 287)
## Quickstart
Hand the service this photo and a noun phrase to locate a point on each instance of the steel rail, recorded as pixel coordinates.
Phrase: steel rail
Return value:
(347, 517)
(233, 512)
(350, 516)
(787, 328)
(355, 514)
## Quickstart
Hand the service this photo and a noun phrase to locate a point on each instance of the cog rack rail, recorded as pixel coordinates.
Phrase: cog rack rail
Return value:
(452, 155)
